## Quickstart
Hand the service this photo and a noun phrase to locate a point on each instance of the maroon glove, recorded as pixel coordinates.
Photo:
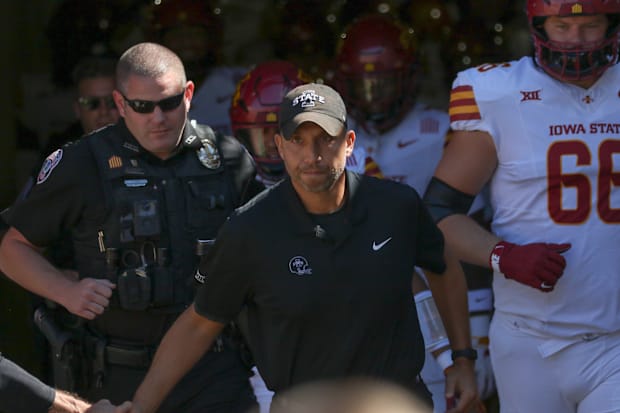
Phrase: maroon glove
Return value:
(538, 265)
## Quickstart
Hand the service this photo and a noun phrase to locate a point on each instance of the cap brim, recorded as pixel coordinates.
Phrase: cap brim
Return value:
(328, 123)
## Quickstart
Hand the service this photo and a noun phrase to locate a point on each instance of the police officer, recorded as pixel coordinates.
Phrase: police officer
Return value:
(326, 272)
(136, 197)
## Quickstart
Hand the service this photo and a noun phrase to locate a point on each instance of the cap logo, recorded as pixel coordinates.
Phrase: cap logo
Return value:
(308, 99)
(577, 8)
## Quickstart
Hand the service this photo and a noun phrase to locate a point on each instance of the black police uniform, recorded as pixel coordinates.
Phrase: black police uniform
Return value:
(22, 392)
(135, 219)
(325, 296)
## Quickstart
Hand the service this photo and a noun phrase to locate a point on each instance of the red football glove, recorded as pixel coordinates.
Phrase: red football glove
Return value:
(538, 265)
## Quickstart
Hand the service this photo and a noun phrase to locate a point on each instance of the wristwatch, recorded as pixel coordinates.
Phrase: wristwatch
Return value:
(468, 353)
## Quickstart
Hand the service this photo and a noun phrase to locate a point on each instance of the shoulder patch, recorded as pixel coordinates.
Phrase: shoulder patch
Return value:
(48, 165)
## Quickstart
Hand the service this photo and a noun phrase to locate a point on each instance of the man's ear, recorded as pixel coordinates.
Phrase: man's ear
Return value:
(119, 101)
(76, 110)
(279, 141)
(350, 140)
(189, 94)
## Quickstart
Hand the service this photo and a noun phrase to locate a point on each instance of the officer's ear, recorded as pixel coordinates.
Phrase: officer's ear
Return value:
(119, 101)
(189, 93)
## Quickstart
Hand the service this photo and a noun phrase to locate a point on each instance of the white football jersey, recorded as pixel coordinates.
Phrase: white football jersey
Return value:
(407, 153)
(557, 181)
(211, 102)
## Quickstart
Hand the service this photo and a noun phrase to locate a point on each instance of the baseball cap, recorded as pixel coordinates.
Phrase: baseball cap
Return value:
(312, 102)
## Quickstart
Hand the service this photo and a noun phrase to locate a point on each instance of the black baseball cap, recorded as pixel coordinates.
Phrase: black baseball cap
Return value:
(312, 102)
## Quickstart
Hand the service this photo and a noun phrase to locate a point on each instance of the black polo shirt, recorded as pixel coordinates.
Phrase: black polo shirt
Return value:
(324, 304)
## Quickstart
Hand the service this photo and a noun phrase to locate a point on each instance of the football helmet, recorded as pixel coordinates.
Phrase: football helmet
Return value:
(193, 29)
(565, 61)
(254, 112)
(376, 68)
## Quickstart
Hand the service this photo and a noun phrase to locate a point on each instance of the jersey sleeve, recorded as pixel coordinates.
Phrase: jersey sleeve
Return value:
(226, 278)
(55, 202)
(464, 108)
(22, 392)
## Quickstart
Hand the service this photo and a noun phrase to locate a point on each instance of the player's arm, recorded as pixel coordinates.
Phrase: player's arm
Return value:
(449, 291)
(467, 164)
(184, 344)
(24, 263)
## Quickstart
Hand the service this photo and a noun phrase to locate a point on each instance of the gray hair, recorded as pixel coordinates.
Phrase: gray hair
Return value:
(149, 60)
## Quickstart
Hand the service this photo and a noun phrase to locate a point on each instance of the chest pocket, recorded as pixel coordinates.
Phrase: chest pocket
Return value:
(208, 203)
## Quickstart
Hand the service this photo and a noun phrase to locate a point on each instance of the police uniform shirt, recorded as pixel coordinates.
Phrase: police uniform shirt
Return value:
(320, 303)
(69, 193)
(22, 392)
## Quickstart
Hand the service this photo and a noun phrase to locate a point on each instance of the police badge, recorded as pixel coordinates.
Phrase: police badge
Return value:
(208, 155)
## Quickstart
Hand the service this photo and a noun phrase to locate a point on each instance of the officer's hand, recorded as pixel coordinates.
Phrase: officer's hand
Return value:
(89, 297)
(538, 265)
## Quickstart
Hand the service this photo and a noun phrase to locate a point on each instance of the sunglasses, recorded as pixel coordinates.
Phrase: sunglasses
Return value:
(94, 102)
(148, 106)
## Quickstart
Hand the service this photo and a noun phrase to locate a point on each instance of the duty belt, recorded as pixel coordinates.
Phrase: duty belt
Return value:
(134, 357)
(142, 357)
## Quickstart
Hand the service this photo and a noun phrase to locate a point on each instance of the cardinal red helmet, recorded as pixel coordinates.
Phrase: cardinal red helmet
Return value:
(193, 29)
(254, 111)
(376, 67)
(565, 61)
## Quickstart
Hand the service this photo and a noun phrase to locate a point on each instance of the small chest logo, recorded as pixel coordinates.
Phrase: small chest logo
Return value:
(530, 95)
(298, 265)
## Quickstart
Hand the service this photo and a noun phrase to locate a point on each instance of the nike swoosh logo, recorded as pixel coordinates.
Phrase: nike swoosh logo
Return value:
(377, 247)
(404, 144)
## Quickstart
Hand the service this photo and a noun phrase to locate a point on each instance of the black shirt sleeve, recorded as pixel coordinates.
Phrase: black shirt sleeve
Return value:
(430, 241)
(227, 280)
(56, 202)
(22, 392)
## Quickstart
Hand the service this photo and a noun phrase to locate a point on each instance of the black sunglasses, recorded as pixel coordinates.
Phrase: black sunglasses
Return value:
(93, 102)
(148, 106)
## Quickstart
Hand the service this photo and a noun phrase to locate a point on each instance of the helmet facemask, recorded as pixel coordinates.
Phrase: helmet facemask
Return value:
(566, 62)
(378, 100)
(260, 143)
(376, 71)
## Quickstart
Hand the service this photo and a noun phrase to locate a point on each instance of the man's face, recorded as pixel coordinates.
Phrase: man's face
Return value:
(576, 31)
(159, 131)
(315, 160)
(95, 107)
(262, 142)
